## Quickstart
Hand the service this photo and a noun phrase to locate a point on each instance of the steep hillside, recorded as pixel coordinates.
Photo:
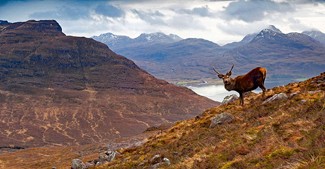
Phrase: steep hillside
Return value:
(286, 131)
(63, 90)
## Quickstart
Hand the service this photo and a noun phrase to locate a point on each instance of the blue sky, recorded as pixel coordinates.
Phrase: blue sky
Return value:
(220, 21)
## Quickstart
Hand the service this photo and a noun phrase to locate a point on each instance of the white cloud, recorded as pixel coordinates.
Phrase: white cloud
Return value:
(252, 10)
(217, 21)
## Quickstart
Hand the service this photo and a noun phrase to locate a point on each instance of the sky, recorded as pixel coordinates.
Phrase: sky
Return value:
(220, 21)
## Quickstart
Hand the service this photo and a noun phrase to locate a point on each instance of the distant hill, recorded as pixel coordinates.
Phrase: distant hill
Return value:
(286, 56)
(290, 56)
(244, 41)
(170, 58)
(117, 42)
(318, 35)
(63, 90)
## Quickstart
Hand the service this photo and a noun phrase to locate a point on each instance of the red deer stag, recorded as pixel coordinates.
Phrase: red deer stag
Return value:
(244, 83)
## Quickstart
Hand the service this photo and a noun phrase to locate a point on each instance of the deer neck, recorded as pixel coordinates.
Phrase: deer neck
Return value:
(231, 85)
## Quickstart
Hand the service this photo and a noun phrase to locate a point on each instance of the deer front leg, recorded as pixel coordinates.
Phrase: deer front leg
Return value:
(241, 99)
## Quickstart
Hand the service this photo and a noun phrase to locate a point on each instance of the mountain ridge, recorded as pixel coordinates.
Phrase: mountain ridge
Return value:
(64, 90)
(318, 35)
(197, 60)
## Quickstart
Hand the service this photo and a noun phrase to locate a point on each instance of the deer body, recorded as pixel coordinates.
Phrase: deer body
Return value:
(244, 83)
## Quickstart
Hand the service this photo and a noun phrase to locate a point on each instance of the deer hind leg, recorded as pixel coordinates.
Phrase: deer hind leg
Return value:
(263, 89)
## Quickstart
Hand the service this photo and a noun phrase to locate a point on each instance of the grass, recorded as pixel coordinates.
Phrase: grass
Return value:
(286, 133)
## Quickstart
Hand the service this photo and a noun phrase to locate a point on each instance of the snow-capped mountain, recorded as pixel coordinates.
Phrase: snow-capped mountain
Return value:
(157, 37)
(116, 42)
(286, 55)
(272, 28)
(318, 35)
(271, 32)
(113, 40)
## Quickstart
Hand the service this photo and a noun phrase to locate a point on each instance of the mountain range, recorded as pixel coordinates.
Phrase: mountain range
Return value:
(286, 56)
(64, 90)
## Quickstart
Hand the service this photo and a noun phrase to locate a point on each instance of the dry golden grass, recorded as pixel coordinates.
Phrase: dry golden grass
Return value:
(287, 133)
(47, 157)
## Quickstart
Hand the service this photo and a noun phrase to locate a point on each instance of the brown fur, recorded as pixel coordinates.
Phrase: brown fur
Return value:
(244, 83)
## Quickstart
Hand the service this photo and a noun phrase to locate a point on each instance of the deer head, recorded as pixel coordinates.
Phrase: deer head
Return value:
(227, 80)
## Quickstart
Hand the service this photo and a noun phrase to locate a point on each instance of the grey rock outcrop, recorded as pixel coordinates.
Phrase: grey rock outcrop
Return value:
(77, 164)
(279, 96)
(229, 99)
(157, 161)
(107, 156)
(221, 119)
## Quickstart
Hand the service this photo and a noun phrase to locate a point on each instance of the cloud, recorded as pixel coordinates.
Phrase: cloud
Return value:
(151, 17)
(109, 10)
(241, 28)
(307, 1)
(254, 10)
(5, 2)
(200, 11)
(64, 12)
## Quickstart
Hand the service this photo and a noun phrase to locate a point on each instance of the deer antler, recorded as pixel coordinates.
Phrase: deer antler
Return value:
(216, 71)
(231, 68)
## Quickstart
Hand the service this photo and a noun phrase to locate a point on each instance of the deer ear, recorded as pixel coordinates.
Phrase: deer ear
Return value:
(220, 76)
(228, 74)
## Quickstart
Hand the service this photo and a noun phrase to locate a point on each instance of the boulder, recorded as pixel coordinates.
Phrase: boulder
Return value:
(229, 99)
(158, 160)
(77, 164)
(279, 96)
(90, 164)
(107, 156)
(221, 119)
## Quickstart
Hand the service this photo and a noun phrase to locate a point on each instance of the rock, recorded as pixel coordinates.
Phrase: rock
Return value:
(111, 155)
(166, 160)
(158, 160)
(294, 94)
(77, 164)
(229, 99)
(90, 164)
(221, 119)
(313, 92)
(107, 156)
(279, 96)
